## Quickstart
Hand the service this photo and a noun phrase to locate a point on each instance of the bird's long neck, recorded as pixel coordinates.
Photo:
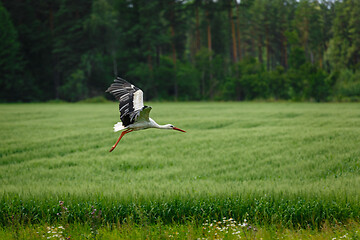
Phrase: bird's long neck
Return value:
(156, 125)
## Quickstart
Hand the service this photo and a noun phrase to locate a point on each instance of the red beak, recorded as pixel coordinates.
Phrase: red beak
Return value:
(175, 128)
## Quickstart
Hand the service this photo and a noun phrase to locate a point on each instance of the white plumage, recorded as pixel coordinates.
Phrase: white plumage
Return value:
(138, 100)
(118, 127)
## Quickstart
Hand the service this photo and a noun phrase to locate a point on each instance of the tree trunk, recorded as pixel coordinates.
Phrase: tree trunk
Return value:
(172, 30)
(149, 59)
(203, 84)
(238, 30)
(267, 50)
(284, 52)
(209, 35)
(174, 61)
(260, 56)
(197, 28)
(306, 37)
(51, 19)
(233, 38)
(173, 45)
(114, 64)
(56, 77)
(158, 53)
(209, 47)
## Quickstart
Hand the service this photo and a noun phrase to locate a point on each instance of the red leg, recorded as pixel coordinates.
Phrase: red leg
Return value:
(122, 134)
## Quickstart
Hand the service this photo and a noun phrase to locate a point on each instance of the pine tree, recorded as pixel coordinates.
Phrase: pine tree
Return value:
(11, 63)
(33, 25)
(69, 44)
(344, 47)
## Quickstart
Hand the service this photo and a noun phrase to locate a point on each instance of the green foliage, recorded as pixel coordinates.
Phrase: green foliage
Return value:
(344, 47)
(187, 77)
(297, 58)
(179, 50)
(347, 87)
(278, 83)
(203, 65)
(309, 21)
(224, 228)
(9, 44)
(75, 87)
(99, 99)
(165, 75)
(12, 82)
(251, 80)
(319, 87)
(143, 76)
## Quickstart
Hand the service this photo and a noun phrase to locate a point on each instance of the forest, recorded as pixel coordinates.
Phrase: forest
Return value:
(179, 50)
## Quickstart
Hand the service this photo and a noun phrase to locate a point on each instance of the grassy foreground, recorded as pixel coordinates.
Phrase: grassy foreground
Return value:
(182, 231)
(285, 164)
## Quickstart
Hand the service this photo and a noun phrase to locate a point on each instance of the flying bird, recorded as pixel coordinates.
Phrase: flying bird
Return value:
(134, 115)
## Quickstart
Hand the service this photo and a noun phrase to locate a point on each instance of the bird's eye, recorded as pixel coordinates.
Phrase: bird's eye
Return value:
(171, 126)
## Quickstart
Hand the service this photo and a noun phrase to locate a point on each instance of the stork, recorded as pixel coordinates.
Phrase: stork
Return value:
(134, 115)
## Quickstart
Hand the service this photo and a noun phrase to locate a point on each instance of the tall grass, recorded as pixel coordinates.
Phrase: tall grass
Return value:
(295, 164)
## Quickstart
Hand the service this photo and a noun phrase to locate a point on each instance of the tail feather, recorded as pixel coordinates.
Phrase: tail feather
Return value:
(118, 127)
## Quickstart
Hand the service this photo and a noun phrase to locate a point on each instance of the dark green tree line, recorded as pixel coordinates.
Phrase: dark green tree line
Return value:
(181, 49)
(11, 62)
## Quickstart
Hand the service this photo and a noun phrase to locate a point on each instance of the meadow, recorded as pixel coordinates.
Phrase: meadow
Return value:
(291, 165)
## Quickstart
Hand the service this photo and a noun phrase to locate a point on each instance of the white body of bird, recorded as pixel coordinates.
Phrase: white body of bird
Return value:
(141, 125)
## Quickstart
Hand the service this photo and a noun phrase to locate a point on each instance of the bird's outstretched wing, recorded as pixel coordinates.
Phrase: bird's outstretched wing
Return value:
(130, 99)
(144, 113)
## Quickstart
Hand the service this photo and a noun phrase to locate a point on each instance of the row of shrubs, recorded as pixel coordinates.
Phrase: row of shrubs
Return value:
(246, 80)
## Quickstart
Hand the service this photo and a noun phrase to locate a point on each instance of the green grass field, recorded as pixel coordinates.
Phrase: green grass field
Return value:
(275, 164)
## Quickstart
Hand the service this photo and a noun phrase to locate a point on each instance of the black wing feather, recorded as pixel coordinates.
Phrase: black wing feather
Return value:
(124, 92)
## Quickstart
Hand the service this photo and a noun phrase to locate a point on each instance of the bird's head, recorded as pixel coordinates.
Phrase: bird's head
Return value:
(169, 126)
